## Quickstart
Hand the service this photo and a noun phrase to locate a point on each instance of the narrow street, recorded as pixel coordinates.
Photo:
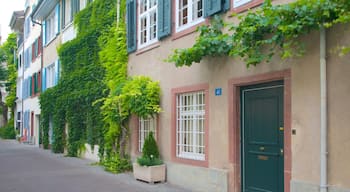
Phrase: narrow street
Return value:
(25, 168)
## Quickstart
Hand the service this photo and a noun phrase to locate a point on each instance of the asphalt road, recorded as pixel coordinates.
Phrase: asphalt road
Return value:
(25, 168)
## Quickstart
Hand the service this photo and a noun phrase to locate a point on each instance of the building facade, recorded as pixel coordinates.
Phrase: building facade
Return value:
(17, 25)
(226, 127)
(29, 52)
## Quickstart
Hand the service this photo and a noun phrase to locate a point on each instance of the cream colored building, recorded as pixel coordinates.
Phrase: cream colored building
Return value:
(209, 130)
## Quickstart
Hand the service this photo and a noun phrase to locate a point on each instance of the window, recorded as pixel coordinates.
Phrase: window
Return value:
(188, 13)
(20, 61)
(19, 88)
(36, 48)
(27, 57)
(69, 9)
(50, 76)
(190, 125)
(147, 22)
(27, 26)
(145, 127)
(50, 26)
(75, 7)
(242, 5)
(237, 3)
(19, 121)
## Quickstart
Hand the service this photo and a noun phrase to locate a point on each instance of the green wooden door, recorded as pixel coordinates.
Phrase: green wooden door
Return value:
(262, 137)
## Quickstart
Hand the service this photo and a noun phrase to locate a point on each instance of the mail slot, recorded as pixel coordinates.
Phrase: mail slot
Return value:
(263, 157)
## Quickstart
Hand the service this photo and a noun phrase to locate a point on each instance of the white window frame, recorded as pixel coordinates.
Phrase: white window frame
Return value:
(50, 76)
(147, 14)
(238, 3)
(190, 125)
(145, 127)
(66, 12)
(190, 21)
(51, 23)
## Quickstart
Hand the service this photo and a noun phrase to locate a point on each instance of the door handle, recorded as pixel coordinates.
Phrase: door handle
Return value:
(282, 152)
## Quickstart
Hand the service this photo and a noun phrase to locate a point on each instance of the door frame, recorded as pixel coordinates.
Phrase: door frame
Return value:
(234, 135)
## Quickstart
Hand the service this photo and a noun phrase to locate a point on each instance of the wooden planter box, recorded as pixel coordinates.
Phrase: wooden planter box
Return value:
(150, 174)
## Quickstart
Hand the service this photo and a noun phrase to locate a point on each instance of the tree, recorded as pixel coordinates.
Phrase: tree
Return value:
(8, 75)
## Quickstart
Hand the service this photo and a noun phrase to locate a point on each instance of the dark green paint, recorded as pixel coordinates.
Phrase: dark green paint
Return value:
(262, 139)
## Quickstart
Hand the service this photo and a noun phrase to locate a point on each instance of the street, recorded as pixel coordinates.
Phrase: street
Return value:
(25, 168)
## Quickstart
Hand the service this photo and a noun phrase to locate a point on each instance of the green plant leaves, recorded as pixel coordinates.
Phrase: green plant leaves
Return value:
(261, 34)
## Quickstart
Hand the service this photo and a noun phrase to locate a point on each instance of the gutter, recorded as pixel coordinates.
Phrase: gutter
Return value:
(323, 92)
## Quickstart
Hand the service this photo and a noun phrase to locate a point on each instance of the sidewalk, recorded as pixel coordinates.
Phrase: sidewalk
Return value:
(28, 168)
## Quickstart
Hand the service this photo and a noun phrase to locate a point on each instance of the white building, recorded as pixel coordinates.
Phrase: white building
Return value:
(17, 24)
(29, 78)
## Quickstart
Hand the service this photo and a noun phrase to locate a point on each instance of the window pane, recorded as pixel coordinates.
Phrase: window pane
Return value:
(190, 125)
(145, 127)
(148, 21)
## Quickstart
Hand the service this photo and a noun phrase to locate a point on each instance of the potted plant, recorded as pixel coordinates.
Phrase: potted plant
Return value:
(149, 167)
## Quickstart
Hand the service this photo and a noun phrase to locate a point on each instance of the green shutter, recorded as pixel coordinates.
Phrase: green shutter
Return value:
(30, 86)
(131, 25)
(35, 83)
(164, 18)
(211, 7)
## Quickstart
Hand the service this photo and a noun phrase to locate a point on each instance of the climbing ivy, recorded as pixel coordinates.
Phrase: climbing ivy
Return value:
(94, 97)
(262, 33)
(70, 103)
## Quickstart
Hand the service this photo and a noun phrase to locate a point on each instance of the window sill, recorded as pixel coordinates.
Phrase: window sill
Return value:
(67, 26)
(148, 48)
(189, 30)
(53, 39)
(246, 7)
(198, 163)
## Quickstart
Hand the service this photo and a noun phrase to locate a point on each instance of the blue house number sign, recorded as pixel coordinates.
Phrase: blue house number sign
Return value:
(218, 91)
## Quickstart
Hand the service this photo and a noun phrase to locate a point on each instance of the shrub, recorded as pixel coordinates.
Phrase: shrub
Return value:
(150, 153)
(8, 131)
(115, 164)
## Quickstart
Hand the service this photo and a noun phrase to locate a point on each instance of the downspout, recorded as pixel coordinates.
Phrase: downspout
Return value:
(41, 61)
(22, 114)
(323, 91)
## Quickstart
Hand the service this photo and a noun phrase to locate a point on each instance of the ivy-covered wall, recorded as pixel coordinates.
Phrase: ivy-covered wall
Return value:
(94, 98)
(81, 83)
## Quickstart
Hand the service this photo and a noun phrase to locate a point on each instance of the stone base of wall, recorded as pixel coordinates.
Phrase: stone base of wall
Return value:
(299, 186)
(197, 178)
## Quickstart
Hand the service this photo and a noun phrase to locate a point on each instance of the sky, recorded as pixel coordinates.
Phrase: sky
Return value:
(6, 9)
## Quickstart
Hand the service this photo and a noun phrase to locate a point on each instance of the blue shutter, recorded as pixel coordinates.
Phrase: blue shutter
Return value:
(43, 80)
(63, 18)
(211, 7)
(57, 71)
(131, 25)
(24, 89)
(57, 17)
(226, 5)
(164, 18)
(29, 56)
(44, 33)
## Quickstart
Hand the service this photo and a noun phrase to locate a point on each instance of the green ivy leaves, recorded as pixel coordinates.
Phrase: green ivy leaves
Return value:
(261, 34)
